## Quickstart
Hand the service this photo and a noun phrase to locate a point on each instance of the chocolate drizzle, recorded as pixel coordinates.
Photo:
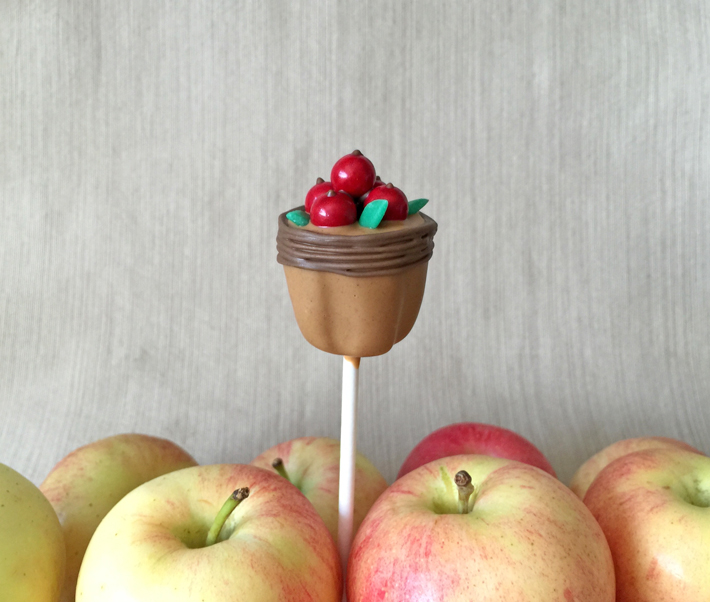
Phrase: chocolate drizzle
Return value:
(377, 254)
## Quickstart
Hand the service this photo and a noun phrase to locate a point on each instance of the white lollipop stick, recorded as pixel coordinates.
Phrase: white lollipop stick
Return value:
(348, 435)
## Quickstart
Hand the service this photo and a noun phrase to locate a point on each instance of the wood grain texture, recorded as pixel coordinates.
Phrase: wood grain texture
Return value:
(146, 149)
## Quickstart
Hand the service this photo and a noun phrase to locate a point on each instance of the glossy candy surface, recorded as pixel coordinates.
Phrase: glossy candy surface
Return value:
(335, 209)
(353, 173)
(398, 208)
(317, 191)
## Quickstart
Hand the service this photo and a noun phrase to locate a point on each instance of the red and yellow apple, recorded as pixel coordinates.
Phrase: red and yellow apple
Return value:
(474, 438)
(89, 481)
(654, 508)
(153, 545)
(586, 473)
(313, 465)
(522, 536)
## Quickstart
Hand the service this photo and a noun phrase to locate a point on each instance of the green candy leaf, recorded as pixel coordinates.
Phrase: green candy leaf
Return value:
(373, 213)
(298, 217)
(416, 205)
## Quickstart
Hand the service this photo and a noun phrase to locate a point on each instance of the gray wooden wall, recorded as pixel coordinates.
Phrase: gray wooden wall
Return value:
(147, 147)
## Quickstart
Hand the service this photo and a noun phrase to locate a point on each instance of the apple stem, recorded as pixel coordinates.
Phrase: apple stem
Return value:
(237, 497)
(466, 489)
(356, 152)
(320, 180)
(279, 467)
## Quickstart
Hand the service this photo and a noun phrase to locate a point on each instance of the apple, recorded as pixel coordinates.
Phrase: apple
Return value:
(397, 208)
(173, 539)
(654, 508)
(89, 481)
(522, 535)
(361, 199)
(353, 173)
(474, 438)
(312, 464)
(32, 552)
(333, 209)
(586, 473)
(317, 191)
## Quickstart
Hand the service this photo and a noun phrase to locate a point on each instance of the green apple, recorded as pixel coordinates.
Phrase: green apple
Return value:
(89, 481)
(32, 552)
(156, 544)
(506, 532)
(586, 473)
(313, 465)
(654, 509)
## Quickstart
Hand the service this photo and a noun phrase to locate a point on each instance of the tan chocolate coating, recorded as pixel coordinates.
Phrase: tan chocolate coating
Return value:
(356, 292)
(357, 230)
(359, 317)
(361, 252)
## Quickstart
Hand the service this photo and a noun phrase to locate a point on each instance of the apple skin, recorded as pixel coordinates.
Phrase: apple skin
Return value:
(150, 546)
(474, 438)
(527, 538)
(333, 210)
(353, 173)
(313, 465)
(32, 554)
(89, 481)
(397, 205)
(316, 192)
(654, 508)
(586, 473)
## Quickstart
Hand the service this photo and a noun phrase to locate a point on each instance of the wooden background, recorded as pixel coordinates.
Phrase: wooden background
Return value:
(147, 147)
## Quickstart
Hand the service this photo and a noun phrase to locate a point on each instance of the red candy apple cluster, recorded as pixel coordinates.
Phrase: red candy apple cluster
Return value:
(353, 185)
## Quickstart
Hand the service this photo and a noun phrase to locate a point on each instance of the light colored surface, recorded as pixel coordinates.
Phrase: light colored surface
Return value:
(146, 149)
(348, 451)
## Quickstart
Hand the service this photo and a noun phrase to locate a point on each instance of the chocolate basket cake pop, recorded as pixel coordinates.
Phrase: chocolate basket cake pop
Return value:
(355, 256)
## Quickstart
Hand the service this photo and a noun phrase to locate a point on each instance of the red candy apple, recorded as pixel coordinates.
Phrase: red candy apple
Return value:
(353, 173)
(317, 191)
(361, 200)
(334, 209)
(397, 206)
(474, 438)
